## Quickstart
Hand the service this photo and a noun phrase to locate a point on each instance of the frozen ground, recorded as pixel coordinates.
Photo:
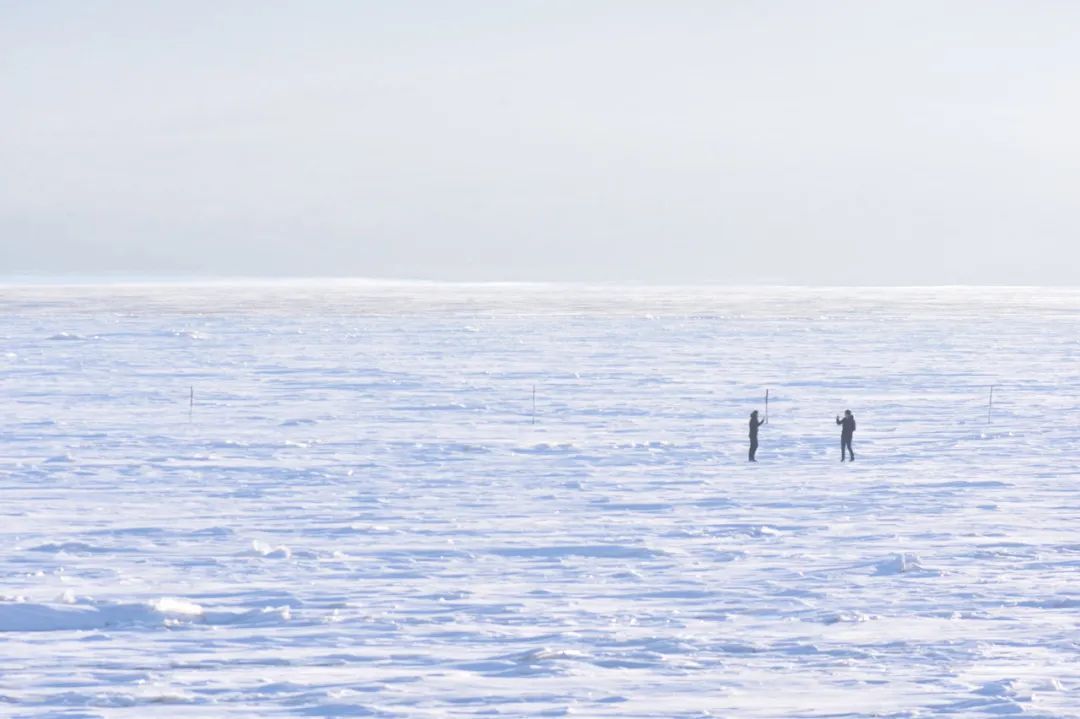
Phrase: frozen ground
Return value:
(360, 519)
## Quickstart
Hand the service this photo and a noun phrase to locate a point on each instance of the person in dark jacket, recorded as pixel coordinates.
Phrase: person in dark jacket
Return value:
(754, 424)
(847, 431)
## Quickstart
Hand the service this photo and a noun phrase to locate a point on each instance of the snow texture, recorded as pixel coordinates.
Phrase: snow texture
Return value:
(359, 516)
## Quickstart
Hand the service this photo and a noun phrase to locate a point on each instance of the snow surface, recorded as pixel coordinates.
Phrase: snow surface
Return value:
(361, 519)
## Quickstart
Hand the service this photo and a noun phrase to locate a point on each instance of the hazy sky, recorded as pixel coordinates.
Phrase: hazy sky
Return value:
(735, 142)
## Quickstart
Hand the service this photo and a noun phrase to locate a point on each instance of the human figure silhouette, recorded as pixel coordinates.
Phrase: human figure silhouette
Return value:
(847, 430)
(754, 424)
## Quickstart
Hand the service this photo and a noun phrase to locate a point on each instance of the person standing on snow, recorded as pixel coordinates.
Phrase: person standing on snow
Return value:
(847, 431)
(754, 424)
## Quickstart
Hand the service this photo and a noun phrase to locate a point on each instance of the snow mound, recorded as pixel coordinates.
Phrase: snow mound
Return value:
(902, 563)
(544, 654)
(598, 551)
(265, 550)
(181, 607)
(844, 617)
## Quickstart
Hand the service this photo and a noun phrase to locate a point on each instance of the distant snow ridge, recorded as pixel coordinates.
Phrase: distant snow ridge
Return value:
(188, 334)
(72, 615)
(70, 548)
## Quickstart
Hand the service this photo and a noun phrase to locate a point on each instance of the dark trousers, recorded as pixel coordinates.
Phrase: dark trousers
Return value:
(753, 448)
(845, 443)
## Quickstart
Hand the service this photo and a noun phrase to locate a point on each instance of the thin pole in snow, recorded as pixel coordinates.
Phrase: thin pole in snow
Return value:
(990, 407)
(534, 405)
(191, 404)
(766, 406)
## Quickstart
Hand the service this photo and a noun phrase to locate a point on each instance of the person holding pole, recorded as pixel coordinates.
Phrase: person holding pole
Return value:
(847, 431)
(754, 424)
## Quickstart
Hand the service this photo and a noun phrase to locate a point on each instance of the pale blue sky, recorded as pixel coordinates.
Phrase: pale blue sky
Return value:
(731, 142)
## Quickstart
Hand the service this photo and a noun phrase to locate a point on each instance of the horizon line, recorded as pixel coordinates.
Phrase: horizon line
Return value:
(133, 280)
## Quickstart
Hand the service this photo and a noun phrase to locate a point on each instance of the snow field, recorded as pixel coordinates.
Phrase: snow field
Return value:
(360, 519)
